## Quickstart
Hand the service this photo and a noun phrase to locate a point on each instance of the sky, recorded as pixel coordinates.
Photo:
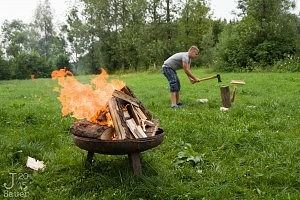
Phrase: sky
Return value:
(24, 9)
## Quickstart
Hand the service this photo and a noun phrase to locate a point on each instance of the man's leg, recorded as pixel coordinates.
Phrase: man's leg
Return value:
(174, 83)
(177, 97)
(174, 98)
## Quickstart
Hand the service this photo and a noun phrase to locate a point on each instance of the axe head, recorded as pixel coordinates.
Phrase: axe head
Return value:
(219, 78)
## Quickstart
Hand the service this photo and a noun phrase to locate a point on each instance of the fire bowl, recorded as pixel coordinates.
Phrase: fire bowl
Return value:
(131, 147)
(119, 147)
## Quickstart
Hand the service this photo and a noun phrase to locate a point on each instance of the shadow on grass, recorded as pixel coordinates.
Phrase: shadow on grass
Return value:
(112, 175)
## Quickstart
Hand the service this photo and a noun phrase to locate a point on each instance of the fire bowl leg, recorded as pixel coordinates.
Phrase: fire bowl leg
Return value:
(89, 158)
(135, 162)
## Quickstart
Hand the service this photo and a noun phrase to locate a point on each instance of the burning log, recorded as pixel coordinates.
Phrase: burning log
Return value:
(85, 128)
(129, 117)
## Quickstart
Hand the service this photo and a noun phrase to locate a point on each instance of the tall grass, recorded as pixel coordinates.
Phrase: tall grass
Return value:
(250, 152)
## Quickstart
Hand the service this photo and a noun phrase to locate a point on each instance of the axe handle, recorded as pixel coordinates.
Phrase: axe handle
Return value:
(208, 78)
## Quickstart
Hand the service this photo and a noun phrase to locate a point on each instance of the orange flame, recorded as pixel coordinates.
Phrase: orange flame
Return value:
(84, 101)
(61, 73)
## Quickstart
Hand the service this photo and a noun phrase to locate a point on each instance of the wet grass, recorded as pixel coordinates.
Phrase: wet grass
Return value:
(250, 152)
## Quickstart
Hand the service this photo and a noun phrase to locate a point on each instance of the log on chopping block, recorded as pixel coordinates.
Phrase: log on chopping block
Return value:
(233, 94)
(235, 83)
(225, 96)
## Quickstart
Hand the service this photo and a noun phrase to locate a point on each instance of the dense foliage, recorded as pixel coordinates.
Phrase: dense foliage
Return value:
(267, 33)
(139, 35)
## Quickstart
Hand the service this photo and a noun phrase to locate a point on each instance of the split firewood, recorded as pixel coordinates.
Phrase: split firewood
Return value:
(136, 130)
(155, 128)
(140, 113)
(149, 123)
(113, 108)
(121, 108)
(131, 125)
(126, 114)
(133, 114)
(143, 125)
(140, 131)
(125, 97)
(129, 92)
(151, 130)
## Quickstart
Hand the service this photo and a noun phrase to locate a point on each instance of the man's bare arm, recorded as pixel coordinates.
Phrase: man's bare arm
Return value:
(187, 70)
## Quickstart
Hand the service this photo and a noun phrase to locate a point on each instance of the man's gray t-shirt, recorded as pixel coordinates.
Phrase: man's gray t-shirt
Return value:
(176, 60)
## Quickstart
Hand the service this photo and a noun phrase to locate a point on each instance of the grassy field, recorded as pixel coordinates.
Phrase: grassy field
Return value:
(250, 152)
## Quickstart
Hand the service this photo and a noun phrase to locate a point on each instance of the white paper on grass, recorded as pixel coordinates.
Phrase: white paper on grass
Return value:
(224, 109)
(35, 164)
(202, 100)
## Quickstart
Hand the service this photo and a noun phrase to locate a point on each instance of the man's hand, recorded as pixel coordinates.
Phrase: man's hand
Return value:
(196, 80)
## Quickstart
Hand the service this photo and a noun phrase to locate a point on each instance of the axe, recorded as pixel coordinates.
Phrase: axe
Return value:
(211, 77)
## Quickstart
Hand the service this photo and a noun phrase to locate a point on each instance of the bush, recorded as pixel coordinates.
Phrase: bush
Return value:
(27, 64)
(5, 70)
(290, 64)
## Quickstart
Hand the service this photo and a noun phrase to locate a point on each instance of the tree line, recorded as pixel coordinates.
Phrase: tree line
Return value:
(141, 34)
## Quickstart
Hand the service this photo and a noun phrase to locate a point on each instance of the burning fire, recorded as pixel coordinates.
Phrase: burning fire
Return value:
(87, 101)
(61, 73)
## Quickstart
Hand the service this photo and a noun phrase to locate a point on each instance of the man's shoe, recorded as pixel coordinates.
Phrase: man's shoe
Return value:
(179, 104)
(175, 107)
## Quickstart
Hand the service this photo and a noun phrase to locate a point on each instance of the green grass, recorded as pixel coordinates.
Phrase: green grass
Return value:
(250, 152)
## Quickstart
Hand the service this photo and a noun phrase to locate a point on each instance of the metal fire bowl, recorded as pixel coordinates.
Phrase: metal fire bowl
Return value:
(119, 147)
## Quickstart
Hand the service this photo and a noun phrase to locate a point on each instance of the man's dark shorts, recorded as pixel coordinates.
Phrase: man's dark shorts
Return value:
(173, 79)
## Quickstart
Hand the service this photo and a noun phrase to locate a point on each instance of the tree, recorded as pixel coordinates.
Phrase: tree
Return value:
(76, 35)
(193, 23)
(210, 40)
(15, 37)
(50, 45)
(5, 70)
(43, 22)
(265, 34)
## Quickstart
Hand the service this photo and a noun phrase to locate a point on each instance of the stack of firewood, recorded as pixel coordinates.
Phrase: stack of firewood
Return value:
(131, 120)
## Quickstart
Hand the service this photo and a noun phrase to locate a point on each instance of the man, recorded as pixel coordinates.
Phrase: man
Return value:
(169, 70)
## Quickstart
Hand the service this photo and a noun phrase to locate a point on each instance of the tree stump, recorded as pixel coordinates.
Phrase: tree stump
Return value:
(225, 96)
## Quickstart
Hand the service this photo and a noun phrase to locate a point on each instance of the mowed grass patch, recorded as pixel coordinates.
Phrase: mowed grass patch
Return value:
(250, 152)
